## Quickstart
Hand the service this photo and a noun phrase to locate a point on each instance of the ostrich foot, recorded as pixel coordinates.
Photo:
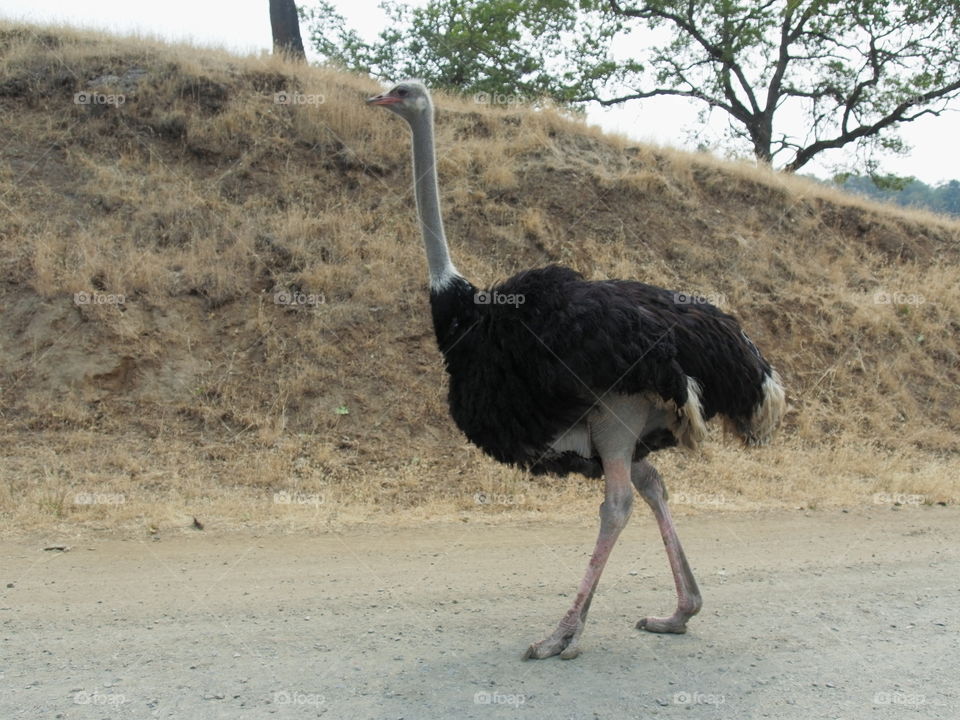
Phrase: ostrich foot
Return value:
(565, 642)
(676, 623)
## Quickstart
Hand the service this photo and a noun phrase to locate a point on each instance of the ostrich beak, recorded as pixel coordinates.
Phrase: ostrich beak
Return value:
(383, 100)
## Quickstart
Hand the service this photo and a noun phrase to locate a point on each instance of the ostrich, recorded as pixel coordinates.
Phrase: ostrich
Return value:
(557, 374)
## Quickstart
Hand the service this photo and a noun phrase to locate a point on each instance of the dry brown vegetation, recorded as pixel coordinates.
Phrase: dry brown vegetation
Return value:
(183, 388)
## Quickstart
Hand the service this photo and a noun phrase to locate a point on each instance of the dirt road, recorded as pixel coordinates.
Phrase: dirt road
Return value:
(806, 615)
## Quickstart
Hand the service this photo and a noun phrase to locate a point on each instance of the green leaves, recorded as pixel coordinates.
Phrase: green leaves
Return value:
(854, 69)
(501, 48)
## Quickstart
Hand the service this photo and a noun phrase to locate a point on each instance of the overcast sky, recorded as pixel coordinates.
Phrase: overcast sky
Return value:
(243, 26)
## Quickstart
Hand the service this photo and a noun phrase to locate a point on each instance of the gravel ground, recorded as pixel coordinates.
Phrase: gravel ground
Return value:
(806, 615)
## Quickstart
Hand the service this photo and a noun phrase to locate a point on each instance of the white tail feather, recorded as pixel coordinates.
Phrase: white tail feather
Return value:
(767, 415)
(690, 428)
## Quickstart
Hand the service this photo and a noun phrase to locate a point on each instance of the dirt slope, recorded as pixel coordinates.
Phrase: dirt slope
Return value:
(213, 291)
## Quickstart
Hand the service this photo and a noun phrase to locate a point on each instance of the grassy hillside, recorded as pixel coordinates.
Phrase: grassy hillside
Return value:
(213, 303)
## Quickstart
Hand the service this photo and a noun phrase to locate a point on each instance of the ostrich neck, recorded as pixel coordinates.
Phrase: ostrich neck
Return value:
(441, 268)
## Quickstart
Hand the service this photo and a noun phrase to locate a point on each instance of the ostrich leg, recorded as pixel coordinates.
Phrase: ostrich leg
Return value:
(650, 486)
(614, 513)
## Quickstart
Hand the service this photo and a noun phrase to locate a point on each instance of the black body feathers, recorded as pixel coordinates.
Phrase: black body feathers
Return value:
(528, 359)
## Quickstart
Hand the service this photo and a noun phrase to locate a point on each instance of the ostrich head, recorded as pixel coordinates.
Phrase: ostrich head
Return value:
(408, 99)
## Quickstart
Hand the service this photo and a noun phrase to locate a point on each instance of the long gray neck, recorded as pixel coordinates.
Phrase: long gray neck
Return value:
(442, 271)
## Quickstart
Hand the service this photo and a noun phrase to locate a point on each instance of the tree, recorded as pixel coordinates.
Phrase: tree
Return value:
(909, 192)
(285, 25)
(855, 70)
(950, 197)
(506, 49)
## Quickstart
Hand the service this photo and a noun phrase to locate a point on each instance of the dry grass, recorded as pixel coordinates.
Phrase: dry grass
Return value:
(200, 200)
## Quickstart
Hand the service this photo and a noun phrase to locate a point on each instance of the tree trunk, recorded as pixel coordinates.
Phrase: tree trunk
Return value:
(285, 23)
(761, 133)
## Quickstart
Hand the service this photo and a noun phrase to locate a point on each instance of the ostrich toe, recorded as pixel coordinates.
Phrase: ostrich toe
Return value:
(564, 641)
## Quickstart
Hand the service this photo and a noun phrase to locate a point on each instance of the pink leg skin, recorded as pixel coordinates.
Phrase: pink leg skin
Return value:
(614, 513)
(650, 486)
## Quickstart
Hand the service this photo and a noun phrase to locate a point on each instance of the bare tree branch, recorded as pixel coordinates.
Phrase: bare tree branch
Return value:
(896, 116)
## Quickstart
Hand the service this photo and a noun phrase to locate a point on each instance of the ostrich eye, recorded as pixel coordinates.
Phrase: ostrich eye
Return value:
(402, 92)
